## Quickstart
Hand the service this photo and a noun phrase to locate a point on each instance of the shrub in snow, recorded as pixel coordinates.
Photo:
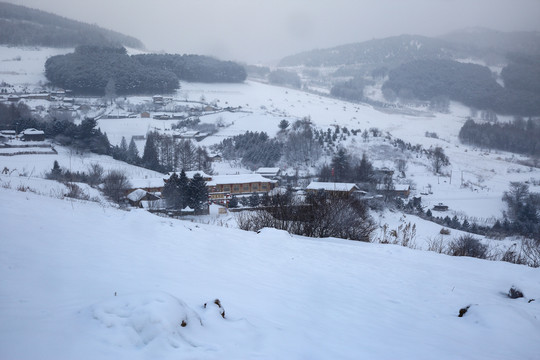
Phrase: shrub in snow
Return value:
(467, 245)
(515, 293)
(463, 311)
(444, 231)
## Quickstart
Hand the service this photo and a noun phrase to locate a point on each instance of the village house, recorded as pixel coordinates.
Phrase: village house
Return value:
(215, 157)
(334, 188)
(151, 185)
(145, 115)
(221, 187)
(33, 135)
(269, 172)
(440, 207)
(138, 198)
(157, 99)
(397, 190)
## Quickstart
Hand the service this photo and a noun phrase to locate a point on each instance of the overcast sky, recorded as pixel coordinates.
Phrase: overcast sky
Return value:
(266, 30)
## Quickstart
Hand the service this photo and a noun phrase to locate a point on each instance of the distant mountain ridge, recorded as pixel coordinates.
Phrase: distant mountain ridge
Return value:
(23, 26)
(489, 45)
(386, 51)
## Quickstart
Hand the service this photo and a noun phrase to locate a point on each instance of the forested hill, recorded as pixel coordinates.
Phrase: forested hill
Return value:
(96, 70)
(24, 26)
(488, 45)
(388, 51)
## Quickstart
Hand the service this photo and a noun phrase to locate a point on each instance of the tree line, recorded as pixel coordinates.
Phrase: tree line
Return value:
(521, 136)
(256, 149)
(164, 154)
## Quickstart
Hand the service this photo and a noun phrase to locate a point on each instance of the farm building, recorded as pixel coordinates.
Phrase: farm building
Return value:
(33, 135)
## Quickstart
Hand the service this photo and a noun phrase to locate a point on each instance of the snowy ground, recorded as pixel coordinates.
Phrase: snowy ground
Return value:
(123, 289)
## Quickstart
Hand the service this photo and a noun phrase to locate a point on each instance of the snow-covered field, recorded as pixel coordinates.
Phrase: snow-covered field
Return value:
(86, 281)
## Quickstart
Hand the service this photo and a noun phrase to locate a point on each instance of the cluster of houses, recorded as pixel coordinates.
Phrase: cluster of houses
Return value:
(25, 135)
(221, 188)
(58, 95)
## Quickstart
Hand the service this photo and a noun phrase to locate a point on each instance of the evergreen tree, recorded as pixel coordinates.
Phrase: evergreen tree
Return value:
(265, 199)
(56, 172)
(364, 171)
(428, 213)
(150, 158)
(198, 193)
(233, 202)
(183, 189)
(132, 155)
(123, 145)
(254, 200)
(455, 222)
(341, 166)
(171, 192)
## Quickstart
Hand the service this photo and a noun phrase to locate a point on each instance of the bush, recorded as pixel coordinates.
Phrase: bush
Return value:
(467, 245)
(115, 185)
(75, 192)
(322, 215)
(444, 231)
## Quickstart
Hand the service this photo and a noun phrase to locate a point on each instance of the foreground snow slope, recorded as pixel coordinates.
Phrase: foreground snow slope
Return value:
(82, 281)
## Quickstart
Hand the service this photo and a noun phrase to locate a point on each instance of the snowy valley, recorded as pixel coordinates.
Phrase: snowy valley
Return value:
(91, 279)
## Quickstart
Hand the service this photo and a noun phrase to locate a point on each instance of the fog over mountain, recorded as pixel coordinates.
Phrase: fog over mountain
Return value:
(256, 31)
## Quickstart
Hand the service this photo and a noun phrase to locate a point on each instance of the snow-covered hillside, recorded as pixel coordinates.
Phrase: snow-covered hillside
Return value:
(79, 280)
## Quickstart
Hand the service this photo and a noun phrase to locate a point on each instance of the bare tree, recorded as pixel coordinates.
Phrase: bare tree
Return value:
(115, 185)
(439, 160)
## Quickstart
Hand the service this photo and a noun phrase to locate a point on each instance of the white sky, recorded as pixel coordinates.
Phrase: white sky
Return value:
(264, 30)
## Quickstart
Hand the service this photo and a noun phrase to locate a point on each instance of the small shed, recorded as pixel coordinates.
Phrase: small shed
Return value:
(145, 115)
(440, 207)
(137, 196)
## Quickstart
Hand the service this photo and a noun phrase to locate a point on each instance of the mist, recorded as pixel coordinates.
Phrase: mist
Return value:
(264, 31)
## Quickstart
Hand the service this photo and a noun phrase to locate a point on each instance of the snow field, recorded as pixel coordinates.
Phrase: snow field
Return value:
(284, 296)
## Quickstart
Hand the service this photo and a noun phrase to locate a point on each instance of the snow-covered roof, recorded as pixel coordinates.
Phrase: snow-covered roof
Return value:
(33, 131)
(136, 195)
(147, 183)
(268, 170)
(238, 179)
(331, 186)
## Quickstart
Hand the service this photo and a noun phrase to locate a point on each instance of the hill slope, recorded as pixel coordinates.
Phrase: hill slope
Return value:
(135, 286)
(388, 51)
(24, 26)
